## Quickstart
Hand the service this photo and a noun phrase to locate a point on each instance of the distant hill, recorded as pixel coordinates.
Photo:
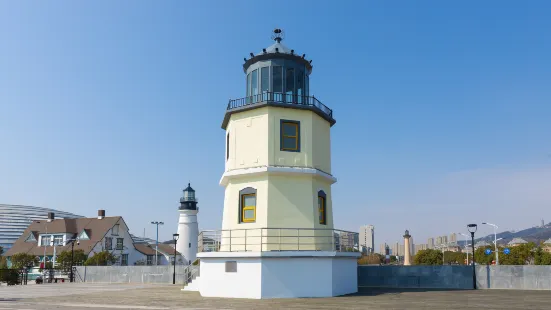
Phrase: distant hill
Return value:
(533, 234)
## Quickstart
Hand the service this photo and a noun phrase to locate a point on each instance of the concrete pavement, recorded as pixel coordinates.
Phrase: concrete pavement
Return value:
(160, 297)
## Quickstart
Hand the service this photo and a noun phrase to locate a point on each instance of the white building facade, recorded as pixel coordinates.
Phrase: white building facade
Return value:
(367, 238)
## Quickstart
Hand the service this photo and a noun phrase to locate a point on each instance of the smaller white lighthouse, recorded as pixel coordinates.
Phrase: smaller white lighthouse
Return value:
(188, 228)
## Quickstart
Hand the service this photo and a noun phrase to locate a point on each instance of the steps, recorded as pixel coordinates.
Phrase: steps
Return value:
(192, 286)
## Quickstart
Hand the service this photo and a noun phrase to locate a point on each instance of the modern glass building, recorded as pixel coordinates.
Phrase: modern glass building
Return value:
(14, 219)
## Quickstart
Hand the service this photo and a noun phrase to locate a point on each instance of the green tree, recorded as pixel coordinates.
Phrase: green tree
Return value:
(371, 259)
(454, 258)
(523, 254)
(541, 257)
(103, 258)
(428, 257)
(3, 262)
(63, 260)
(49, 265)
(21, 260)
(1, 251)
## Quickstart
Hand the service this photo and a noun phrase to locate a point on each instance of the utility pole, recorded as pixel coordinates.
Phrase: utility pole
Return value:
(157, 241)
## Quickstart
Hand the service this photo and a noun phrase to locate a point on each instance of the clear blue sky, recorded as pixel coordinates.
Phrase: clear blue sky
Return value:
(443, 110)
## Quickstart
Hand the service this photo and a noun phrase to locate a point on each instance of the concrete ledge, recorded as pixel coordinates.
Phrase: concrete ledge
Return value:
(281, 254)
(275, 170)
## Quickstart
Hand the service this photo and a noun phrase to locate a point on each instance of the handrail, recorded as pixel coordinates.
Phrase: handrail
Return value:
(191, 272)
(280, 98)
(278, 239)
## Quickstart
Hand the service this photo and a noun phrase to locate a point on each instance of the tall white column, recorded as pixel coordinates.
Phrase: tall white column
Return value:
(188, 229)
(407, 249)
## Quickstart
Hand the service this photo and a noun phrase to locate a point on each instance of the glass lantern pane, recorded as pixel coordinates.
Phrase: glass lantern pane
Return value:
(277, 77)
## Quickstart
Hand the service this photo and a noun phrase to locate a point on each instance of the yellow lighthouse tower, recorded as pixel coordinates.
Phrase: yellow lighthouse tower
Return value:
(278, 151)
(277, 238)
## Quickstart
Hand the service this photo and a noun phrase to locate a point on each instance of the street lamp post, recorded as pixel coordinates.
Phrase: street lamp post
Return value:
(157, 241)
(71, 275)
(495, 240)
(472, 229)
(466, 243)
(175, 237)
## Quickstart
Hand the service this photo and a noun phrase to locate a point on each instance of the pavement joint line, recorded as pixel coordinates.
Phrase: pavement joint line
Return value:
(108, 306)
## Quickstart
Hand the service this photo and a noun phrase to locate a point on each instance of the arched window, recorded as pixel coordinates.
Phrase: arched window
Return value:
(322, 207)
(247, 205)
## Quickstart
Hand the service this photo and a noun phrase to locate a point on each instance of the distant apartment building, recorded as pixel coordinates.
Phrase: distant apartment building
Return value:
(396, 249)
(419, 247)
(382, 248)
(430, 243)
(367, 238)
(442, 240)
(453, 238)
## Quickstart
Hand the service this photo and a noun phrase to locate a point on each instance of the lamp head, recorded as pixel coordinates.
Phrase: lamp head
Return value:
(175, 236)
(472, 228)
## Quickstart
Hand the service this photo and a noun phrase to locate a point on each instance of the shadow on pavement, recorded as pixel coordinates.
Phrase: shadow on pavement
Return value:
(374, 291)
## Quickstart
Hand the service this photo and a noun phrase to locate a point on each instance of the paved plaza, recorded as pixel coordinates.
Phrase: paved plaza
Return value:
(133, 296)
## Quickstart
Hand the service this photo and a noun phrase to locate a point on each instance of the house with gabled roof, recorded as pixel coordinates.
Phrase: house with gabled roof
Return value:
(547, 245)
(45, 238)
(517, 242)
(165, 254)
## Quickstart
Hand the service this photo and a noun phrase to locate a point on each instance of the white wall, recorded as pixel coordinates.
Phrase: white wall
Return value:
(296, 277)
(278, 274)
(216, 282)
(345, 276)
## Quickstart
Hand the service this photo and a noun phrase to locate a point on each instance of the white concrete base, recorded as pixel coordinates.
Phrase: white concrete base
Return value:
(193, 286)
(287, 274)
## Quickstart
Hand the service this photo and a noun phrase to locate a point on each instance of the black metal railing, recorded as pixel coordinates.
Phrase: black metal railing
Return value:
(280, 98)
(14, 276)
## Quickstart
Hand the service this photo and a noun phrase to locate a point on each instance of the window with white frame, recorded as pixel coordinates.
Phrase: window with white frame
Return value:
(58, 240)
(124, 260)
(108, 243)
(120, 244)
(45, 240)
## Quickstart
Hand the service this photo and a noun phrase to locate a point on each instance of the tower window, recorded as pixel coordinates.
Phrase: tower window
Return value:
(322, 208)
(247, 205)
(290, 136)
(228, 146)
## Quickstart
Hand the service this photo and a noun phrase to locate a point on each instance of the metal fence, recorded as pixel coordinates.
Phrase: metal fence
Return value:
(13, 276)
(280, 98)
(278, 239)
